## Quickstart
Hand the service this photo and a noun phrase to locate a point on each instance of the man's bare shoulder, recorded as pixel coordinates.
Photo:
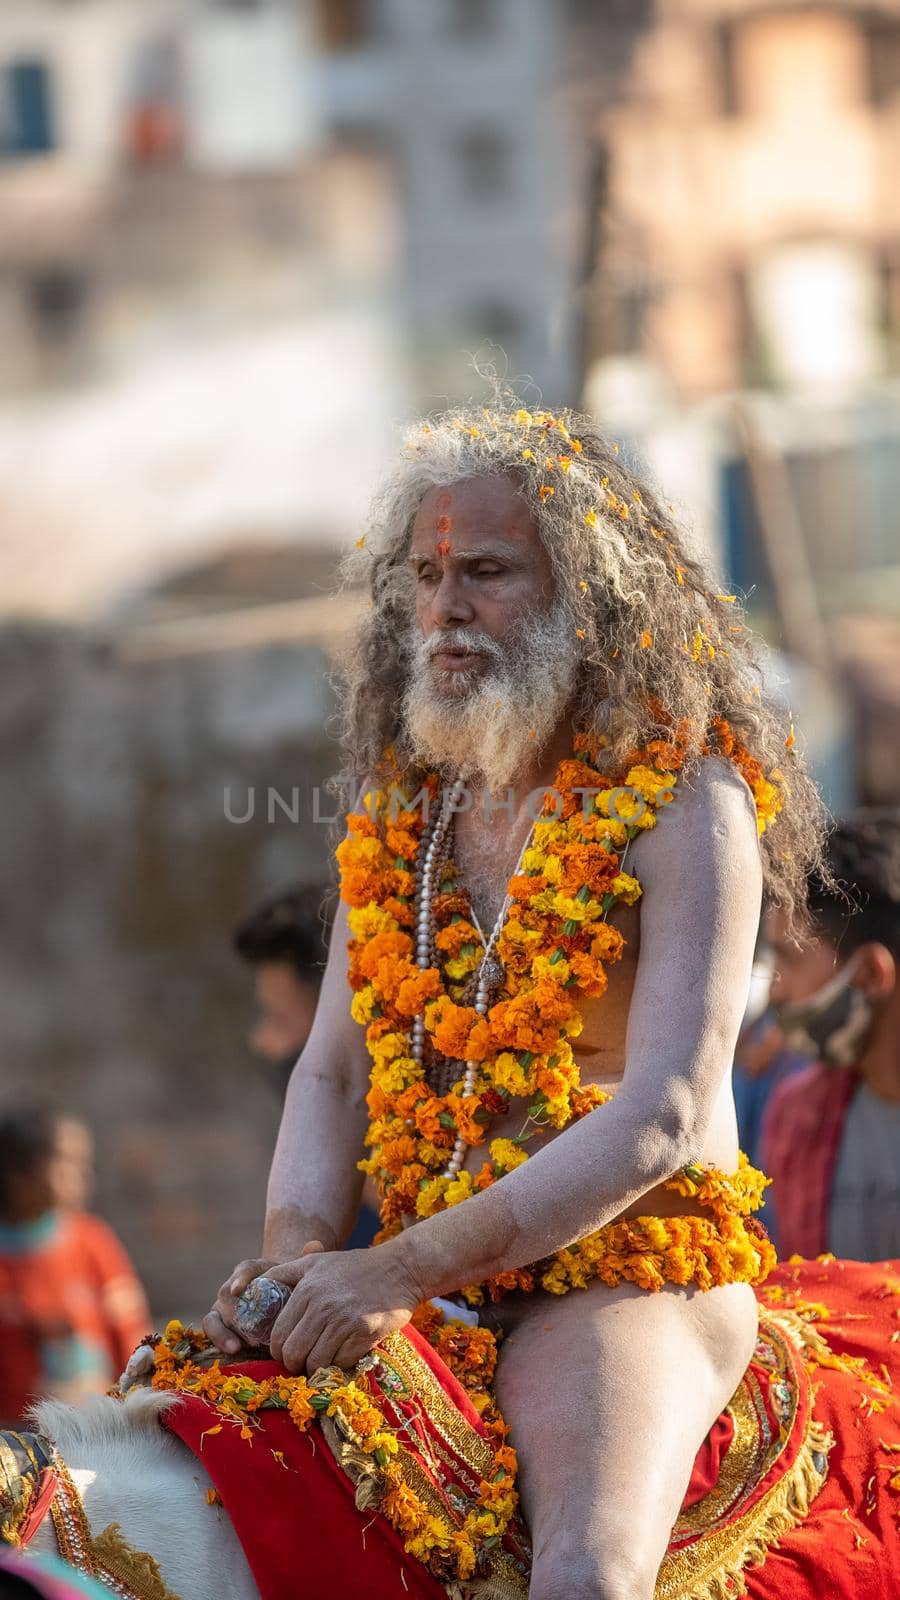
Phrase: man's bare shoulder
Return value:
(710, 821)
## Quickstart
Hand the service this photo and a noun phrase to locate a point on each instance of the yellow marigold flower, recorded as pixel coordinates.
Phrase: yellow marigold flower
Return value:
(460, 966)
(508, 1074)
(649, 783)
(553, 869)
(430, 1155)
(533, 860)
(431, 1198)
(591, 518)
(388, 1047)
(363, 1004)
(395, 1076)
(365, 921)
(626, 888)
(507, 1155)
(527, 455)
(459, 1189)
(572, 910)
(555, 971)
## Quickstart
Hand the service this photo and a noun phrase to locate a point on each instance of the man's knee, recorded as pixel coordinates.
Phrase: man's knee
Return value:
(564, 1573)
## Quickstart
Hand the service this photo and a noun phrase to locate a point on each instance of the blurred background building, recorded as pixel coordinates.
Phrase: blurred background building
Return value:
(240, 241)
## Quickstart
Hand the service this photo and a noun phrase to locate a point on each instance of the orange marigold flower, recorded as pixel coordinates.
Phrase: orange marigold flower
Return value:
(383, 944)
(592, 979)
(607, 943)
(427, 1116)
(463, 1110)
(414, 991)
(401, 843)
(450, 1026)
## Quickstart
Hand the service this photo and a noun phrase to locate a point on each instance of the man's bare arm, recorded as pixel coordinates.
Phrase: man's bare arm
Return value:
(702, 879)
(314, 1186)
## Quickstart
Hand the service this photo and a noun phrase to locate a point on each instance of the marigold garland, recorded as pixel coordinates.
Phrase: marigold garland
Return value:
(555, 947)
(471, 1353)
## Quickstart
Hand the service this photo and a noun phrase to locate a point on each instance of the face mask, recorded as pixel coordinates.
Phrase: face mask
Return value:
(832, 1024)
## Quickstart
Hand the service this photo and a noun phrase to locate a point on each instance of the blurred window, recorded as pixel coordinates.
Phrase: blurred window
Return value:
(798, 66)
(883, 36)
(26, 119)
(473, 19)
(798, 290)
(484, 158)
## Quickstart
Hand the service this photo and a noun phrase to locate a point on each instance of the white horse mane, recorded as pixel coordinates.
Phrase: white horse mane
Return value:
(100, 1422)
(139, 1477)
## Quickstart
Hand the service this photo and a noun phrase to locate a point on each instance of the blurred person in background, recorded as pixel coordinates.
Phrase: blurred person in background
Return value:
(285, 941)
(71, 1307)
(763, 1059)
(831, 1134)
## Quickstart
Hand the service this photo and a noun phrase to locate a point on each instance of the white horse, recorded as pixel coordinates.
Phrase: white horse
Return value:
(136, 1475)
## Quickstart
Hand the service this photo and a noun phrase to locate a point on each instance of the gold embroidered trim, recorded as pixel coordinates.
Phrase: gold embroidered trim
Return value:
(131, 1574)
(713, 1567)
(503, 1580)
(449, 1421)
(752, 1452)
(133, 1569)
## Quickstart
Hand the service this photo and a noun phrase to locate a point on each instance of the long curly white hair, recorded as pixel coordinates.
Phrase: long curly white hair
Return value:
(660, 643)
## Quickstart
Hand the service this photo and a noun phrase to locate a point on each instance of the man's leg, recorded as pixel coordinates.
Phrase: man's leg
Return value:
(609, 1394)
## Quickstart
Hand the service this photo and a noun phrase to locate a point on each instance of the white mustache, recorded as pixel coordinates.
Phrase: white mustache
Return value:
(459, 639)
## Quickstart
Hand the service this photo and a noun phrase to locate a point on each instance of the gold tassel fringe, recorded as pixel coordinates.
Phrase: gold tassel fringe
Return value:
(137, 1570)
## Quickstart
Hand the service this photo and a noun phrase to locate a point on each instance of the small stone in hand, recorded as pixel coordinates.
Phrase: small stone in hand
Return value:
(258, 1310)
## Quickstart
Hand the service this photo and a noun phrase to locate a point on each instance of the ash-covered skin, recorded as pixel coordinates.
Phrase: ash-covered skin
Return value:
(624, 1382)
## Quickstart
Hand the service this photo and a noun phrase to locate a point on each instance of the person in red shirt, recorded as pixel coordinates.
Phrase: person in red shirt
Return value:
(71, 1307)
(831, 1134)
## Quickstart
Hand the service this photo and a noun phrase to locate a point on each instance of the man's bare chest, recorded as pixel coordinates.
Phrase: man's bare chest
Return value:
(486, 854)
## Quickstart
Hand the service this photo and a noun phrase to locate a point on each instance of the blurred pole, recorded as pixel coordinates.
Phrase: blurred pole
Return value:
(803, 626)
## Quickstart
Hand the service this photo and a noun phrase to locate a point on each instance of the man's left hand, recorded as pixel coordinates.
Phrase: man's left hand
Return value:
(344, 1302)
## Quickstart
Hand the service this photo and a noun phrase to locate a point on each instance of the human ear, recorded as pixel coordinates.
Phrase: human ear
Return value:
(876, 970)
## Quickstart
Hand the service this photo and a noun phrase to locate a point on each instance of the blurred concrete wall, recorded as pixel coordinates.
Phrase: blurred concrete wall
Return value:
(119, 994)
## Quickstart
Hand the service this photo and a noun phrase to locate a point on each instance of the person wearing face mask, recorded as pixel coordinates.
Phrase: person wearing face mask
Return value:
(831, 1134)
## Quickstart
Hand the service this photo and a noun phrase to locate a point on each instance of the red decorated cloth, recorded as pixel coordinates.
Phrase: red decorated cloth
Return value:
(294, 1510)
(848, 1547)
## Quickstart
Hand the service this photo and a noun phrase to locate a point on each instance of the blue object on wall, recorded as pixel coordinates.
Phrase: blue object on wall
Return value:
(27, 124)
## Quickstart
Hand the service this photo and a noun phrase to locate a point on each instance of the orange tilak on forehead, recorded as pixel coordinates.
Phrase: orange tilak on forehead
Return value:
(444, 521)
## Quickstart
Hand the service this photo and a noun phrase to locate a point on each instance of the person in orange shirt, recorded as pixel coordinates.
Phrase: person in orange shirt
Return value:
(71, 1306)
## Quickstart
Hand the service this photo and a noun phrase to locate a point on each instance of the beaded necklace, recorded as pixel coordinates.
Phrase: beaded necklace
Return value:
(489, 971)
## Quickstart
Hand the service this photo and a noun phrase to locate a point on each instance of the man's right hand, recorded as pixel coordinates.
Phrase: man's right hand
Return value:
(216, 1325)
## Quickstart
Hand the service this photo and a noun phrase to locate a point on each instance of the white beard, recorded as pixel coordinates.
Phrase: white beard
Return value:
(491, 727)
